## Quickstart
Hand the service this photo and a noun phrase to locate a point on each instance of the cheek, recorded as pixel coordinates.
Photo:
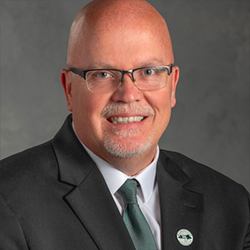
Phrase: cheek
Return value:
(89, 107)
(161, 101)
(87, 119)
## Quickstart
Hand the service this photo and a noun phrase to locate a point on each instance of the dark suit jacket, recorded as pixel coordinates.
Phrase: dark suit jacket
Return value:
(54, 197)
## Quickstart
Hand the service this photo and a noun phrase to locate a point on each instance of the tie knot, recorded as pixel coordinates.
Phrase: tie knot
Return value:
(128, 191)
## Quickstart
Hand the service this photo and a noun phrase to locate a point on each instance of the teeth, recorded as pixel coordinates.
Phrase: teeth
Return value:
(130, 119)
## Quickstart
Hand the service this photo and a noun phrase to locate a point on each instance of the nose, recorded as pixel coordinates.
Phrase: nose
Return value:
(128, 91)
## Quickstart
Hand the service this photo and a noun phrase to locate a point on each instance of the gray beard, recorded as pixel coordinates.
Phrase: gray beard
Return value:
(115, 146)
(118, 149)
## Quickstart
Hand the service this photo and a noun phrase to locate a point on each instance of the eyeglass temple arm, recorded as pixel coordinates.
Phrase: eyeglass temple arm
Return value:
(78, 72)
(170, 69)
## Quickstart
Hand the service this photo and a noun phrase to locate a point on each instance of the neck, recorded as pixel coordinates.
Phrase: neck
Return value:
(133, 165)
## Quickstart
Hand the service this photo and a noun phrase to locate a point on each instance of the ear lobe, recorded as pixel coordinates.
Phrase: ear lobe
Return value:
(175, 78)
(67, 86)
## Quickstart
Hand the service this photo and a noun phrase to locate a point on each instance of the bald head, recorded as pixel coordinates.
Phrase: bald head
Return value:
(118, 18)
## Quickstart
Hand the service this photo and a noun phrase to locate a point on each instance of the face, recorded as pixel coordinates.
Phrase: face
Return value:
(99, 118)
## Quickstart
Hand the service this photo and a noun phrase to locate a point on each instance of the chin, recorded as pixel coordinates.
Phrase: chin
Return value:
(131, 149)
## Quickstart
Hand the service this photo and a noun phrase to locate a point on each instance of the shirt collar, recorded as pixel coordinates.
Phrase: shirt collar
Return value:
(115, 178)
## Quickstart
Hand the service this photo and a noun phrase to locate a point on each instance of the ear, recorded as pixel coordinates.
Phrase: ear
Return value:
(175, 78)
(67, 86)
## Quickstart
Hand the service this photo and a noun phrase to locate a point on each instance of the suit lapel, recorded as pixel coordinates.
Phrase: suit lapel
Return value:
(181, 207)
(90, 198)
(95, 208)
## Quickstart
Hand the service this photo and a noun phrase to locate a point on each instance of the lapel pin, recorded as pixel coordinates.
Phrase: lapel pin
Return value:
(184, 237)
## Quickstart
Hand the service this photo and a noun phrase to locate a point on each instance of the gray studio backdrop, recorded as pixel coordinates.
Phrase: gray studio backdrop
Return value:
(210, 122)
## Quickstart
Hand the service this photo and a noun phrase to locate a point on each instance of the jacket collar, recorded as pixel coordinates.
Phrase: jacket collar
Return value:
(90, 198)
(181, 205)
(70, 155)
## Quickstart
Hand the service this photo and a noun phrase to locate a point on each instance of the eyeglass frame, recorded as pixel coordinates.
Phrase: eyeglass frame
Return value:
(83, 73)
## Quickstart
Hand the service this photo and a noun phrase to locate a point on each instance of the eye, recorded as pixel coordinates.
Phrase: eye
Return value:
(148, 72)
(103, 74)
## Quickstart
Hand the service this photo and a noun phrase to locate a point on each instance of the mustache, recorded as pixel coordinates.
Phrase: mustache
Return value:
(114, 108)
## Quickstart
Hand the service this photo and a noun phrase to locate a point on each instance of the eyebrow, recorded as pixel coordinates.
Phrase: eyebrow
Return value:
(151, 62)
(101, 65)
(148, 63)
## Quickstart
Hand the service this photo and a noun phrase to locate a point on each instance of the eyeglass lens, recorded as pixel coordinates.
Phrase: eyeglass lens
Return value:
(151, 78)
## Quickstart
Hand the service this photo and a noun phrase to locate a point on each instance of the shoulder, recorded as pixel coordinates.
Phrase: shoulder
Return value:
(27, 157)
(204, 179)
(193, 168)
(26, 167)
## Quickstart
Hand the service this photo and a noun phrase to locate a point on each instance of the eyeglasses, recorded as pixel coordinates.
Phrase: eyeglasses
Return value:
(109, 80)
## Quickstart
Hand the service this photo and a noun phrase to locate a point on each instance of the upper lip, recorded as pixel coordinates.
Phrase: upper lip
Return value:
(124, 115)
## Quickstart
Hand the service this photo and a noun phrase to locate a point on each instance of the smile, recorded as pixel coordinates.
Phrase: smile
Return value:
(121, 120)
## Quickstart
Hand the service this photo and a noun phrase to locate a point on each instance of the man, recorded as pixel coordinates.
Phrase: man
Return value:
(68, 193)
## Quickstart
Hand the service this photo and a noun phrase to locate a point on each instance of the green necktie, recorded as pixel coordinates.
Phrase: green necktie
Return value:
(135, 221)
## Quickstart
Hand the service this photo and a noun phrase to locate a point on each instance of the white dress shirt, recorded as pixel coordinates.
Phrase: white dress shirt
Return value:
(147, 193)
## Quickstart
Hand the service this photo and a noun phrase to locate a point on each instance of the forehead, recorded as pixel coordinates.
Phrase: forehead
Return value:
(123, 15)
(118, 12)
(128, 47)
(123, 33)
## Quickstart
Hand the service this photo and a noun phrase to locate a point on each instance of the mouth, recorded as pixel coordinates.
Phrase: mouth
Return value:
(125, 120)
